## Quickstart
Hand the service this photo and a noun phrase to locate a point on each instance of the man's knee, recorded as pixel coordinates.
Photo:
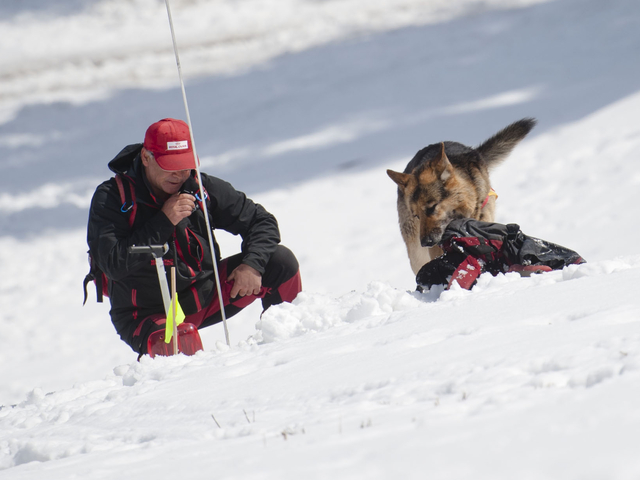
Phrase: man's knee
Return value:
(282, 277)
(282, 265)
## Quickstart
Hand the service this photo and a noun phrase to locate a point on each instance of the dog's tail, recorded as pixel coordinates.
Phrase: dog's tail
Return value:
(498, 147)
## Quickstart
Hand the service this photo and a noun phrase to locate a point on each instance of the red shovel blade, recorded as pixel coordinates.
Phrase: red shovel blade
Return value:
(189, 342)
(528, 270)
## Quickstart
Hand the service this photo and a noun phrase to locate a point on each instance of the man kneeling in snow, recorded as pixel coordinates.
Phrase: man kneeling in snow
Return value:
(146, 204)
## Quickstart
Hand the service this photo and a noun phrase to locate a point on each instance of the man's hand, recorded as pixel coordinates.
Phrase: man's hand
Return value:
(246, 281)
(179, 206)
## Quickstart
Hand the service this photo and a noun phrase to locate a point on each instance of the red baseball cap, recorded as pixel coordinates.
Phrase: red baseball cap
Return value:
(170, 143)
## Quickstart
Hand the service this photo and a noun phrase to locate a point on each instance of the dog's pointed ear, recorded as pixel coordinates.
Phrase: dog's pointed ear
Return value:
(402, 179)
(442, 165)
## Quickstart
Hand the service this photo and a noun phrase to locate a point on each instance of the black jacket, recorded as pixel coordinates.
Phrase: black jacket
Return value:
(133, 285)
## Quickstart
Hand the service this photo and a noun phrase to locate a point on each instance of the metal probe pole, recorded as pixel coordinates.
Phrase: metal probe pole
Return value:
(197, 161)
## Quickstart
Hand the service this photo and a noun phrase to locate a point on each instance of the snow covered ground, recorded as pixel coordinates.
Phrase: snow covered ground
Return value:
(303, 105)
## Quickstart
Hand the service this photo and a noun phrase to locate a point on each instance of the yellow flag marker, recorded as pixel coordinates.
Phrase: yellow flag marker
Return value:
(175, 312)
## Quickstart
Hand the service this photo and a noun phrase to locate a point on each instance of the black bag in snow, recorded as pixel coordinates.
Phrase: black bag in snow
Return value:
(472, 247)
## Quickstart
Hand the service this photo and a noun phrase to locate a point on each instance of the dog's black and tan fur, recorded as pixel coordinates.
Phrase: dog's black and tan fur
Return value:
(446, 181)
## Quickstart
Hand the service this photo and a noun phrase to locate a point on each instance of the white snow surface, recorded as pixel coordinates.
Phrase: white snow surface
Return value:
(304, 104)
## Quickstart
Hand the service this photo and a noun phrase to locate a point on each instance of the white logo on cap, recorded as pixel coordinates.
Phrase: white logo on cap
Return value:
(182, 145)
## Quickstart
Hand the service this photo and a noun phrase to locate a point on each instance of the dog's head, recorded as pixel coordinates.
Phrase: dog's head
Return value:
(434, 195)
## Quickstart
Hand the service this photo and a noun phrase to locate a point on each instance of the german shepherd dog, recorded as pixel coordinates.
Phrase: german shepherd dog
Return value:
(446, 181)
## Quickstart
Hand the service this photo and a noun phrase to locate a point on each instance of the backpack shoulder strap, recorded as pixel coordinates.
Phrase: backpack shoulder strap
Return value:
(127, 191)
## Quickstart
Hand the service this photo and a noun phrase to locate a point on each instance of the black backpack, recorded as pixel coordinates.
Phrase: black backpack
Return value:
(126, 188)
(472, 247)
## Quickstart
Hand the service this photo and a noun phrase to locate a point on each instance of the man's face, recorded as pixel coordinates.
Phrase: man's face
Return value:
(163, 182)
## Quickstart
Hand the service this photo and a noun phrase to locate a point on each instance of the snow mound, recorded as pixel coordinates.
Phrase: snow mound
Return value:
(313, 312)
(316, 312)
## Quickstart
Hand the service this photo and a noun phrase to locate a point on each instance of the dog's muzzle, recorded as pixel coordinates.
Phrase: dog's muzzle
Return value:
(430, 241)
(433, 238)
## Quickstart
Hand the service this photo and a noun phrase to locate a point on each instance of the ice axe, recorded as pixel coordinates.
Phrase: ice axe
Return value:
(186, 338)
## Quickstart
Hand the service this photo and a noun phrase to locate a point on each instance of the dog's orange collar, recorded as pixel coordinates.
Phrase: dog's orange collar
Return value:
(492, 193)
